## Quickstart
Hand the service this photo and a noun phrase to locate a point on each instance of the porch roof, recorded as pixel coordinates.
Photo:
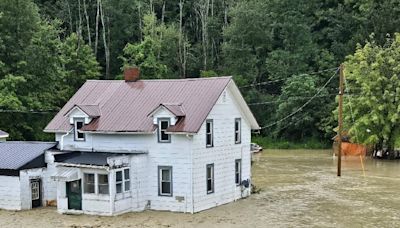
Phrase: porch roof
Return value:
(86, 158)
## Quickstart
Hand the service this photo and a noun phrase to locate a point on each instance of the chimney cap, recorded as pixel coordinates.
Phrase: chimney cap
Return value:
(131, 73)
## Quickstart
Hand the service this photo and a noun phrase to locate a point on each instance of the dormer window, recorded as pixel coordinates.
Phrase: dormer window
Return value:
(163, 125)
(78, 124)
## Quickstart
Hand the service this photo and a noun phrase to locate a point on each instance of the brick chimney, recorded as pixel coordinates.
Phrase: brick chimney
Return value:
(131, 74)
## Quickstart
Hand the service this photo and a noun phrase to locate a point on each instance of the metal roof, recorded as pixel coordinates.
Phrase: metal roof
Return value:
(90, 110)
(85, 158)
(3, 134)
(125, 105)
(14, 154)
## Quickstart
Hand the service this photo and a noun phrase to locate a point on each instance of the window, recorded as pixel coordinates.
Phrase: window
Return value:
(103, 183)
(88, 183)
(165, 180)
(238, 171)
(122, 181)
(209, 133)
(238, 129)
(163, 137)
(78, 124)
(127, 180)
(210, 178)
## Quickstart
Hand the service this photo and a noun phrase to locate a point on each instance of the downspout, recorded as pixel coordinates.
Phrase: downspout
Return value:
(62, 139)
(191, 171)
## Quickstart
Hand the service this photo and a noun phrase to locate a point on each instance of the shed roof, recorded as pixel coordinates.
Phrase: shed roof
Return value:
(3, 134)
(125, 105)
(86, 158)
(14, 154)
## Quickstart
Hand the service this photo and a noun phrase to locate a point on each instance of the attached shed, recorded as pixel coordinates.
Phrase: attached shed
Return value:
(23, 175)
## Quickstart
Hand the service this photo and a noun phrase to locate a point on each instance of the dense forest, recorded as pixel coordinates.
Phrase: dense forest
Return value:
(281, 53)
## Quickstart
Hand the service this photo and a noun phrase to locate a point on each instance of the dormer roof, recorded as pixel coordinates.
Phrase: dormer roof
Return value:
(175, 109)
(92, 111)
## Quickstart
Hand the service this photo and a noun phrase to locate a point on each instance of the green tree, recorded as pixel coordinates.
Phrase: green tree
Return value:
(79, 64)
(372, 107)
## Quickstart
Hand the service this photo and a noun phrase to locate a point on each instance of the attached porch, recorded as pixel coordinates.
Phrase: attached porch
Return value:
(97, 183)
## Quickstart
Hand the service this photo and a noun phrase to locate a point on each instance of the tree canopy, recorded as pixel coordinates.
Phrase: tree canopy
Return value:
(280, 52)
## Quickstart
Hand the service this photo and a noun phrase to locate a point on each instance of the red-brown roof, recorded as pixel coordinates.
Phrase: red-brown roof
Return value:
(125, 106)
(90, 110)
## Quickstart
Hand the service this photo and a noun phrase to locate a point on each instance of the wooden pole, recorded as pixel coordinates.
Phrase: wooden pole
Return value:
(341, 91)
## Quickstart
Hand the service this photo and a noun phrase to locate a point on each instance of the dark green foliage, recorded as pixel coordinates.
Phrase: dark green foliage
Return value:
(48, 49)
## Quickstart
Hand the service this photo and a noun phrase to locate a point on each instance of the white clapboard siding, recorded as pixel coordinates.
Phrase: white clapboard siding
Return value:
(10, 193)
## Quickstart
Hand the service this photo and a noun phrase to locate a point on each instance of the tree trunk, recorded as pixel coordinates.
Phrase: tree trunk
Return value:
(87, 23)
(180, 51)
(106, 49)
(80, 23)
(140, 23)
(202, 9)
(96, 41)
(70, 17)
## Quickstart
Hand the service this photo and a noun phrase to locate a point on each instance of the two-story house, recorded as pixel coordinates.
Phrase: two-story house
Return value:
(130, 145)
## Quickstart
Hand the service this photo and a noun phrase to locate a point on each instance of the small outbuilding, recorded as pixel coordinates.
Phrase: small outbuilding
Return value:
(24, 181)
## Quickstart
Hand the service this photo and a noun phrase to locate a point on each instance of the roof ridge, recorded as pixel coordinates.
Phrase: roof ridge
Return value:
(168, 79)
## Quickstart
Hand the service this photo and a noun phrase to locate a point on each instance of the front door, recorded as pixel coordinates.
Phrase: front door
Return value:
(36, 193)
(74, 195)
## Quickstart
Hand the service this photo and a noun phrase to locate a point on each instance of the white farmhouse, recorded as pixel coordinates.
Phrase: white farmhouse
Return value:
(131, 145)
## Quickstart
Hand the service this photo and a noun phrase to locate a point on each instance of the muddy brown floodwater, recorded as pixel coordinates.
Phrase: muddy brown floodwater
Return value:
(299, 188)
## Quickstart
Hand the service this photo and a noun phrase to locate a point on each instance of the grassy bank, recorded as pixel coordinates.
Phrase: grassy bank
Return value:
(310, 143)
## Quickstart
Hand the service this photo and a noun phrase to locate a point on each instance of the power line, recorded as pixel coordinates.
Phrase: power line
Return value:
(295, 97)
(278, 80)
(305, 104)
(28, 111)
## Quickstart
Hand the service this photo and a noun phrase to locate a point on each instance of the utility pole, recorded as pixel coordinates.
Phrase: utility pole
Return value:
(341, 91)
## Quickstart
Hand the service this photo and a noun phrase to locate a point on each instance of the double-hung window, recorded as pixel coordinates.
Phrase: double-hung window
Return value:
(165, 180)
(238, 171)
(102, 183)
(238, 129)
(78, 124)
(163, 125)
(122, 181)
(210, 178)
(89, 183)
(209, 133)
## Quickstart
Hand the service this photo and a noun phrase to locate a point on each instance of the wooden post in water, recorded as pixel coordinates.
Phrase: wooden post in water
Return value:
(341, 91)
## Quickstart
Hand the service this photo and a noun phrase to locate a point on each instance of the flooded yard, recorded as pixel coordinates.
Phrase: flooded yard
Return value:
(299, 188)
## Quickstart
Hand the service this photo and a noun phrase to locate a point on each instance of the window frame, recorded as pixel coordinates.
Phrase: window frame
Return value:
(238, 172)
(76, 130)
(123, 182)
(238, 131)
(212, 178)
(85, 182)
(160, 131)
(160, 181)
(210, 132)
(98, 184)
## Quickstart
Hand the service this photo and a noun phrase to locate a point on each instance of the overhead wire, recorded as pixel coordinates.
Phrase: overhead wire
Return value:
(283, 79)
(305, 104)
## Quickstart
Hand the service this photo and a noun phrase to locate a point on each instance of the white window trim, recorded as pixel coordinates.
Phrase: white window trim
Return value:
(122, 181)
(238, 132)
(211, 144)
(160, 169)
(84, 183)
(210, 178)
(239, 171)
(160, 130)
(98, 184)
(76, 130)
